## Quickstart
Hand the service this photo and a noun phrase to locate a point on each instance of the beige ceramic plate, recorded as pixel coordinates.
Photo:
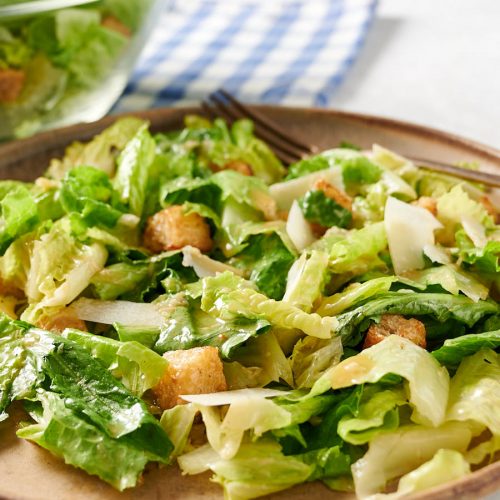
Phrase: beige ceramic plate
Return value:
(28, 472)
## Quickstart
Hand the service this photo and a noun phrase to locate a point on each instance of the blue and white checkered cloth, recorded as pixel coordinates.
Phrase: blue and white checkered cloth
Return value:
(293, 52)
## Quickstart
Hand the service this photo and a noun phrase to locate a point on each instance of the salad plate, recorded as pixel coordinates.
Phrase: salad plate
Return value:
(30, 472)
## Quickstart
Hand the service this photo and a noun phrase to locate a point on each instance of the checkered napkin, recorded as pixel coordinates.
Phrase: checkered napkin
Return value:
(293, 52)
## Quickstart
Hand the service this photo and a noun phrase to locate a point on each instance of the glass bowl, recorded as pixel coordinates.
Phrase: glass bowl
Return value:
(67, 61)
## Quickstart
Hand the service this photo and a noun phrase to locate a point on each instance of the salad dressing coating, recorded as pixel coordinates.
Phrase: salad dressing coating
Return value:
(349, 302)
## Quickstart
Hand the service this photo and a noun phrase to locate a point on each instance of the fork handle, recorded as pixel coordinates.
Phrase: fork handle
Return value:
(463, 173)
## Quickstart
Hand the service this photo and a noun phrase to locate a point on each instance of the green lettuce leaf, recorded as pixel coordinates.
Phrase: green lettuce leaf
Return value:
(132, 175)
(18, 214)
(227, 296)
(81, 444)
(444, 466)
(306, 280)
(393, 454)
(441, 307)
(354, 294)
(188, 326)
(453, 351)
(267, 260)
(357, 251)
(427, 381)
(320, 209)
(474, 391)
(484, 259)
(56, 282)
(89, 192)
(453, 280)
(376, 413)
(138, 367)
(244, 476)
(100, 152)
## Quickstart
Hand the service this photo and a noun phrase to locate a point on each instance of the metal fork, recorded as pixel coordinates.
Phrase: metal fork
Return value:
(290, 149)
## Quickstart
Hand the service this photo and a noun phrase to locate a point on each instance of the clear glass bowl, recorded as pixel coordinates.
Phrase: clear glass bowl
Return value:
(67, 61)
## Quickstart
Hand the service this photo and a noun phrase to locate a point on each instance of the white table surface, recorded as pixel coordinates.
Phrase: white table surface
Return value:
(433, 62)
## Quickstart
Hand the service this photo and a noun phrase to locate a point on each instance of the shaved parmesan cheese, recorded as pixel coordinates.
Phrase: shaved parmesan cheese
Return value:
(409, 230)
(298, 228)
(285, 193)
(474, 230)
(117, 311)
(437, 254)
(230, 397)
(203, 265)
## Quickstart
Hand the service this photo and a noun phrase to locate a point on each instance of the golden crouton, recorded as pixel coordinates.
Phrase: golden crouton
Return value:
(335, 194)
(60, 321)
(172, 228)
(428, 203)
(490, 208)
(238, 166)
(395, 324)
(114, 24)
(11, 84)
(192, 371)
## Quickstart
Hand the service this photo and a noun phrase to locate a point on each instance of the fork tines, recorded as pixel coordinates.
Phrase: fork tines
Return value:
(288, 149)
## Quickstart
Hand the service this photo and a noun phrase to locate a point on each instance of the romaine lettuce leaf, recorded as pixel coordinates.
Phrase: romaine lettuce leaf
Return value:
(474, 391)
(244, 477)
(358, 251)
(187, 326)
(100, 152)
(427, 381)
(376, 413)
(441, 307)
(453, 280)
(18, 214)
(177, 423)
(393, 454)
(484, 259)
(138, 367)
(353, 294)
(444, 466)
(312, 357)
(65, 434)
(134, 165)
(227, 296)
(453, 351)
(88, 191)
(306, 279)
(267, 260)
(57, 281)
(320, 209)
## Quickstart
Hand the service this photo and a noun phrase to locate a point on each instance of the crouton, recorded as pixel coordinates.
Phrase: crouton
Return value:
(335, 194)
(428, 203)
(394, 324)
(238, 166)
(11, 84)
(113, 24)
(490, 208)
(192, 371)
(172, 228)
(60, 321)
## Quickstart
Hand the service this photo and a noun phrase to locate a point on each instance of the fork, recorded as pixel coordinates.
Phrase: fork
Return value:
(290, 149)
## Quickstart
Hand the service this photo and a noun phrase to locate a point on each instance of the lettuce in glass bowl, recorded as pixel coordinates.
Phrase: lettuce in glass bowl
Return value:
(63, 62)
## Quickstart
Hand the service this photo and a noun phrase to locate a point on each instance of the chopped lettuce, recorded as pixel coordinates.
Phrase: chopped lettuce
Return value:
(393, 454)
(100, 152)
(306, 279)
(320, 209)
(443, 308)
(427, 381)
(451, 353)
(225, 302)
